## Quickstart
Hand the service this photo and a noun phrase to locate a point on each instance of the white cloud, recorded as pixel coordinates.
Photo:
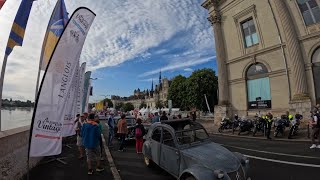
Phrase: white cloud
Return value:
(188, 69)
(178, 65)
(122, 31)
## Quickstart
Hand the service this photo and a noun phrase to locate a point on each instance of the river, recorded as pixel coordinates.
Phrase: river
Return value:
(15, 117)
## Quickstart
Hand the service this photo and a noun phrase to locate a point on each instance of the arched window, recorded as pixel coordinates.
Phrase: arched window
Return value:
(258, 87)
(316, 73)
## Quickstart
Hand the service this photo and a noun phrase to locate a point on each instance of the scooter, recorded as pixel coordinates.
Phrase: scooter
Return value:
(281, 124)
(295, 126)
(246, 125)
(226, 123)
(259, 125)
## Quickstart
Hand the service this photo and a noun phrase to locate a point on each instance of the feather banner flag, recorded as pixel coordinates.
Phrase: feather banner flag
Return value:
(48, 116)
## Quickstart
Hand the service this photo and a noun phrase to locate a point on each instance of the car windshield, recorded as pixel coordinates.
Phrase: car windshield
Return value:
(191, 135)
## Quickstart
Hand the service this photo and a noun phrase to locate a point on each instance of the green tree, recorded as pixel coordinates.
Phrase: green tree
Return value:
(110, 104)
(159, 104)
(177, 92)
(128, 107)
(143, 105)
(201, 82)
(119, 106)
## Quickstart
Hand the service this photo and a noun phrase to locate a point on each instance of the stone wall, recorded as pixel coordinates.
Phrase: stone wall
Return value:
(14, 153)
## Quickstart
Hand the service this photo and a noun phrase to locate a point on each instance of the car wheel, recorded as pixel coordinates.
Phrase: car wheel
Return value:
(148, 162)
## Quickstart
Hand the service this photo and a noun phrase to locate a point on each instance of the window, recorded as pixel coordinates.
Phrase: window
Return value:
(249, 33)
(156, 134)
(258, 87)
(167, 138)
(310, 11)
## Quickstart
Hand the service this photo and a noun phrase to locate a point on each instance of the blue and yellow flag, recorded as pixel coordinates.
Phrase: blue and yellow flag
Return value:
(57, 23)
(19, 26)
(1, 3)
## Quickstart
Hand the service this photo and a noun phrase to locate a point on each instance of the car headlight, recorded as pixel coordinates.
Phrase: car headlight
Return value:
(244, 160)
(219, 174)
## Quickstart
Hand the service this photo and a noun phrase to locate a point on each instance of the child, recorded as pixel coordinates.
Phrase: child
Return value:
(139, 132)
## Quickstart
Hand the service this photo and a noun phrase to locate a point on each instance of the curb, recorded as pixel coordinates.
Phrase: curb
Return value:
(261, 138)
(113, 167)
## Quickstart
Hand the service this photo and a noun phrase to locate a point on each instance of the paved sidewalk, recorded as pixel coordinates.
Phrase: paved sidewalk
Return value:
(75, 169)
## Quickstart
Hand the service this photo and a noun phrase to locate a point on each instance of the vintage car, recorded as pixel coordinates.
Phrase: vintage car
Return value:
(184, 149)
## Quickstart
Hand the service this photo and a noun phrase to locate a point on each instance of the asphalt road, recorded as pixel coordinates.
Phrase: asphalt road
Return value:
(269, 160)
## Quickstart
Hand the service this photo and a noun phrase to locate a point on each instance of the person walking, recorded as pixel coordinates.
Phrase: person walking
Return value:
(90, 134)
(100, 139)
(79, 122)
(315, 123)
(111, 125)
(156, 118)
(122, 131)
(139, 133)
(164, 116)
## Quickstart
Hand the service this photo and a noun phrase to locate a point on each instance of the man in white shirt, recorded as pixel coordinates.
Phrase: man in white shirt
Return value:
(315, 129)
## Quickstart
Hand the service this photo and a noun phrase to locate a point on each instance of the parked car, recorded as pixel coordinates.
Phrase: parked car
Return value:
(184, 149)
(131, 123)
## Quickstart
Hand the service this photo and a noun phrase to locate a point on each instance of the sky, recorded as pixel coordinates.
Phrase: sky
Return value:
(128, 44)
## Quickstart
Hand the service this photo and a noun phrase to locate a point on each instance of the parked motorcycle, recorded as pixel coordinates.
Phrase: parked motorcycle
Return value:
(226, 123)
(281, 125)
(246, 125)
(259, 126)
(236, 124)
(295, 125)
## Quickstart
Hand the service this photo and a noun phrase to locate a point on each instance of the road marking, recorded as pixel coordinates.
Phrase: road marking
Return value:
(283, 162)
(275, 153)
(113, 167)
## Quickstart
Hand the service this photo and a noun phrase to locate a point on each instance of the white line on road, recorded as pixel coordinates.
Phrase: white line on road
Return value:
(112, 165)
(275, 153)
(284, 162)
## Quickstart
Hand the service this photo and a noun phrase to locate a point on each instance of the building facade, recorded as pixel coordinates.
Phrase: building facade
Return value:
(268, 55)
(151, 97)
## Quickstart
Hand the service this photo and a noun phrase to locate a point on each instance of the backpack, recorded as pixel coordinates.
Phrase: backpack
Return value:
(138, 132)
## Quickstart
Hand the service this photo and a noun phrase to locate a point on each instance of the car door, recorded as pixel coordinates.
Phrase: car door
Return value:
(169, 154)
(155, 144)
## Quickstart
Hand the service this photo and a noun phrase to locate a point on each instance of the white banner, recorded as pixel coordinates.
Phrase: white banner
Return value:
(70, 111)
(86, 88)
(86, 109)
(48, 117)
(81, 88)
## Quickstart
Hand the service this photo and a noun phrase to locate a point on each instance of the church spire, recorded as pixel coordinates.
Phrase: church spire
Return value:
(152, 86)
(160, 77)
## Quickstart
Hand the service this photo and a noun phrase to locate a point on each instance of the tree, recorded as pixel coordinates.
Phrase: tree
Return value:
(188, 93)
(110, 104)
(159, 104)
(142, 105)
(119, 106)
(202, 82)
(177, 92)
(128, 107)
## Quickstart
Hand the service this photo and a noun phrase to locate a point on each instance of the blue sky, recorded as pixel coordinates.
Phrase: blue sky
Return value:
(128, 43)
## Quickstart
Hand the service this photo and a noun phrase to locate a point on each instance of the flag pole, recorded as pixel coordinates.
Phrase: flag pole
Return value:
(4, 64)
(42, 52)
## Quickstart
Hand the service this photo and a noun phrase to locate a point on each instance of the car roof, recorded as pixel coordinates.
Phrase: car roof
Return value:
(176, 124)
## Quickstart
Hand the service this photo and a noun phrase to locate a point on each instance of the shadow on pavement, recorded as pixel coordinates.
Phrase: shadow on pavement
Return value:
(75, 169)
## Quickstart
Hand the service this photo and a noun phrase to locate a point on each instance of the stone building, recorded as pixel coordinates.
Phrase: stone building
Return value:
(268, 55)
(149, 97)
